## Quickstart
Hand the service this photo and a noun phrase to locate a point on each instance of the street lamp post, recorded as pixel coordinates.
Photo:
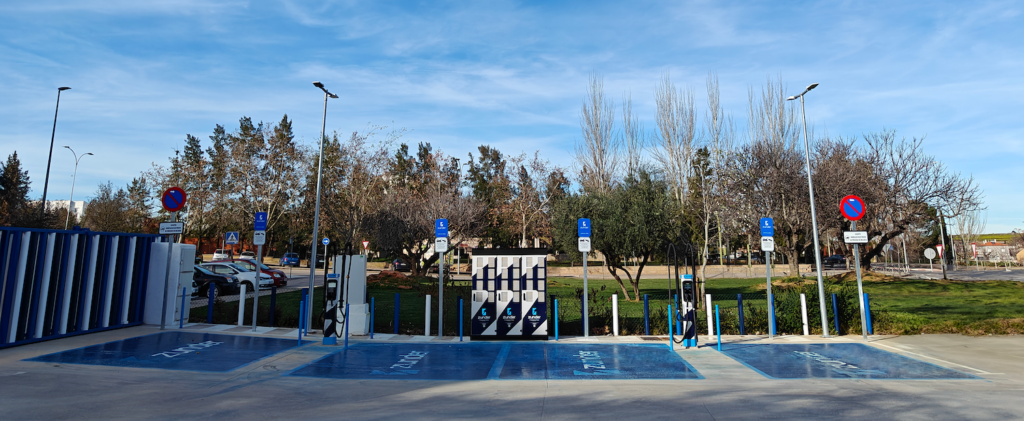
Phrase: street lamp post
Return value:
(46, 182)
(71, 200)
(316, 213)
(814, 216)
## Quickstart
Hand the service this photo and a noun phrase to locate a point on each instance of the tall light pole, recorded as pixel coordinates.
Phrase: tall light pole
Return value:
(46, 182)
(814, 216)
(71, 200)
(316, 213)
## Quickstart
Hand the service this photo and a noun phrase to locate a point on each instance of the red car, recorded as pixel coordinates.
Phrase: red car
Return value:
(280, 279)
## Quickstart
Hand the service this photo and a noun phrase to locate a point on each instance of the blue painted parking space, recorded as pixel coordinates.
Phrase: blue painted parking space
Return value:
(506, 361)
(190, 351)
(835, 361)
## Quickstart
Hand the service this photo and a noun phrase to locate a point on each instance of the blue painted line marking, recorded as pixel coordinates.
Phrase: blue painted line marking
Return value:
(835, 361)
(499, 362)
(190, 351)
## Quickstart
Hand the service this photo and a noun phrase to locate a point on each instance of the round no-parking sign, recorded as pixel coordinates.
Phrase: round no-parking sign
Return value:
(852, 207)
(173, 199)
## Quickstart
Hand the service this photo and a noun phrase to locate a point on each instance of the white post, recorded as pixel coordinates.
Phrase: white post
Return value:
(19, 280)
(241, 303)
(108, 284)
(66, 301)
(711, 320)
(803, 311)
(45, 287)
(128, 281)
(426, 328)
(615, 314)
(87, 314)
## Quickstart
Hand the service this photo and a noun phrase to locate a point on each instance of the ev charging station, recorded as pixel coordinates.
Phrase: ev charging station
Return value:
(345, 290)
(689, 315)
(509, 298)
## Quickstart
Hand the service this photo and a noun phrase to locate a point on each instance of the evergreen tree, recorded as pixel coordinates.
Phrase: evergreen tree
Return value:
(14, 186)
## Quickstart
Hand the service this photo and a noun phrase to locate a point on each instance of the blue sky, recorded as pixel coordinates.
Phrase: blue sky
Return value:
(508, 74)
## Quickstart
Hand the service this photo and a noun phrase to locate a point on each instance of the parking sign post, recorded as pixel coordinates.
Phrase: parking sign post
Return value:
(583, 229)
(852, 207)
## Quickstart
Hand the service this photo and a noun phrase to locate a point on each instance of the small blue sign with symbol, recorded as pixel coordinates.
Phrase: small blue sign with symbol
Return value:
(231, 237)
(261, 221)
(441, 228)
(326, 241)
(767, 227)
(583, 227)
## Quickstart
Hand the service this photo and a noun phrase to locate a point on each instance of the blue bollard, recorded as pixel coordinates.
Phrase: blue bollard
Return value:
(212, 293)
(556, 320)
(771, 303)
(372, 299)
(346, 325)
(867, 312)
(739, 308)
(835, 312)
(273, 304)
(460, 319)
(718, 327)
(647, 317)
(671, 337)
(396, 312)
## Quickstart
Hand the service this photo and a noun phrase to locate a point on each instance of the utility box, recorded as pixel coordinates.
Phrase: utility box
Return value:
(183, 257)
(509, 296)
(353, 292)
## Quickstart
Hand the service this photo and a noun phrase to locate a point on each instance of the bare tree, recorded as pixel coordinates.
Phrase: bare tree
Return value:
(597, 157)
(674, 147)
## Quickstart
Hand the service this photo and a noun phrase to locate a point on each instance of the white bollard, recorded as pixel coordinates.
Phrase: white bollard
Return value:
(241, 303)
(711, 320)
(426, 329)
(803, 312)
(615, 314)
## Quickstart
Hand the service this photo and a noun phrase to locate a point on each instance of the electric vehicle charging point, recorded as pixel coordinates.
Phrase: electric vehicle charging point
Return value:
(509, 294)
(331, 291)
(689, 316)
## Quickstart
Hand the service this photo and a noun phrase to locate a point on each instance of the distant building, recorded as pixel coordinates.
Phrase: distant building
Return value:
(77, 206)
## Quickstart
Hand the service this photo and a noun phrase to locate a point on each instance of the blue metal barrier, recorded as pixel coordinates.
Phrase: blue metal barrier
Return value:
(739, 310)
(647, 317)
(58, 283)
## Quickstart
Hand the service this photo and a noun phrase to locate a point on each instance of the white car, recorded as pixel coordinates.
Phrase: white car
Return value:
(246, 277)
(220, 254)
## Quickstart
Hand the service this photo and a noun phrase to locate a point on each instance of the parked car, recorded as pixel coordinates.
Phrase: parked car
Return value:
(289, 259)
(203, 278)
(245, 276)
(399, 265)
(247, 255)
(280, 279)
(221, 254)
(835, 260)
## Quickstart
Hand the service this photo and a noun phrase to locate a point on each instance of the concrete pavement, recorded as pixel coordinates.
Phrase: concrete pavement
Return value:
(730, 390)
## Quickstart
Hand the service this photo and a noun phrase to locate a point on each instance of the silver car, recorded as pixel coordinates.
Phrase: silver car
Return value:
(246, 277)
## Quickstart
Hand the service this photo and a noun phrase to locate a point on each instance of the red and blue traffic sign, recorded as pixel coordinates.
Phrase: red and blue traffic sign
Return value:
(852, 207)
(173, 199)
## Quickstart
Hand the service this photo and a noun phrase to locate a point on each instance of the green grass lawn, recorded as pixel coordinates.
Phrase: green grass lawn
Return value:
(898, 306)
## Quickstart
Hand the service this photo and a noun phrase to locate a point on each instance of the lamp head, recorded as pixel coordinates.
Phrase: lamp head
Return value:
(88, 153)
(66, 146)
(332, 95)
(812, 86)
(318, 85)
(63, 88)
(791, 98)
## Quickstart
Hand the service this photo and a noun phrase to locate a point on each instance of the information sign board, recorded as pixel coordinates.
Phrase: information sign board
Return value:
(583, 227)
(767, 243)
(261, 221)
(259, 238)
(172, 227)
(441, 228)
(767, 227)
(584, 244)
(855, 237)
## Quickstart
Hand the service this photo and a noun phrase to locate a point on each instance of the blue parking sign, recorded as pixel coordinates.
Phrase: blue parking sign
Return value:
(441, 228)
(583, 227)
(261, 221)
(767, 227)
